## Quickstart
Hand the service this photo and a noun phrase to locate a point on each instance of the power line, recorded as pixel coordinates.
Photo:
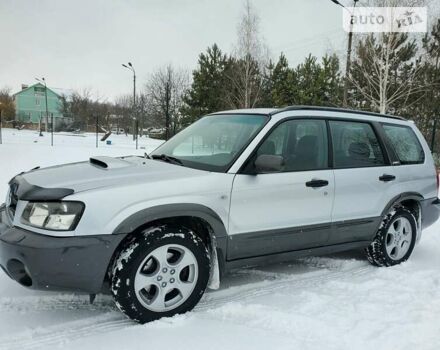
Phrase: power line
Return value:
(307, 40)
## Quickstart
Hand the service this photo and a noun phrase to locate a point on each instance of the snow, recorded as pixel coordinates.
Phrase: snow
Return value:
(337, 302)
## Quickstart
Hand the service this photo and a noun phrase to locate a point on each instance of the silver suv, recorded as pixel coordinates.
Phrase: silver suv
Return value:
(234, 189)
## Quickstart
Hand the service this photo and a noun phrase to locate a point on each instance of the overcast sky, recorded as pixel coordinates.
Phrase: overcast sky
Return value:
(82, 43)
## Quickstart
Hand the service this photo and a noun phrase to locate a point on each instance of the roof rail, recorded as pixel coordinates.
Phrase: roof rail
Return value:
(334, 109)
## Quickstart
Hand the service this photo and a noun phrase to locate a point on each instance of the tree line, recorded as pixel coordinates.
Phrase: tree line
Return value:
(395, 73)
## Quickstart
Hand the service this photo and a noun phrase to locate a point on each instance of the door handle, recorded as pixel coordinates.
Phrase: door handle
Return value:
(387, 178)
(316, 183)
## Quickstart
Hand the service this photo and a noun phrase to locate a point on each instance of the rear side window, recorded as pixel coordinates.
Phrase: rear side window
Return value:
(405, 143)
(355, 145)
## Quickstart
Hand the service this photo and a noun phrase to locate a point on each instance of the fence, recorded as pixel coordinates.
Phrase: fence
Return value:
(97, 135)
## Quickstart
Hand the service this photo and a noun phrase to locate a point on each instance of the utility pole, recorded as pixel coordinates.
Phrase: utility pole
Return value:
(137, 132)
(349, 49)
(1, 138)
(167, 110)
(97, 126)
(51, 129)
(43, 81)
(41, 124)
(130, 67)
(434, 128)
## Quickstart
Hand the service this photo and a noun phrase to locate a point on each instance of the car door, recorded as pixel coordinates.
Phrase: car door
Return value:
(364, 178)
(286, 210)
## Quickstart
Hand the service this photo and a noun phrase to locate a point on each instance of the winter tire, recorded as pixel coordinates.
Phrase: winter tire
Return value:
(160, 273)
(395, 239)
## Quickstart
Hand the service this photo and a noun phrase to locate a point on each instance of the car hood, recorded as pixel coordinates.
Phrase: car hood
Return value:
(101, 172)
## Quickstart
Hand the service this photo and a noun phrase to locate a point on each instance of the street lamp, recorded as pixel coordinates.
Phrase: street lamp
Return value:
(350, 43)
(43, 81)
(130, 67)
(1, 138)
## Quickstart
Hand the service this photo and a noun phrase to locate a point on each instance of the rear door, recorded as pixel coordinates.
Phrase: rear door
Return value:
(415, 170)
(286, 210)
(365, 180)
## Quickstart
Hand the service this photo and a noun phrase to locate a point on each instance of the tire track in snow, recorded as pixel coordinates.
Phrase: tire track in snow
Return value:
(114, 321)
(54, 303)
(65, 333)
(222, 297)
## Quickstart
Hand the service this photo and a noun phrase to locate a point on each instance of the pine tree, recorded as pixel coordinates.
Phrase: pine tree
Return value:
(266, 99)
(332, 85)
(208, 89)
(284, 84)
(309, 82)
(426, 107)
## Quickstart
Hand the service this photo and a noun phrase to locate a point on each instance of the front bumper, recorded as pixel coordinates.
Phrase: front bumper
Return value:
(77, 264)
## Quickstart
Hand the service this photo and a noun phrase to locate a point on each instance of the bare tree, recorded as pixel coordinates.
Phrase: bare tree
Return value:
(165, 90)
(386, 72)
(7, 103)
(123, 112)
(83, 107)
(249, 60)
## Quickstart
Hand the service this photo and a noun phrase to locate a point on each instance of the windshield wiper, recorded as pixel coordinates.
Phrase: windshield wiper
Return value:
(166, 158)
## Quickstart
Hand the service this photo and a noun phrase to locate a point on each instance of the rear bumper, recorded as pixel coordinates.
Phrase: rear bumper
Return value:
(430, 211)
(77, 264)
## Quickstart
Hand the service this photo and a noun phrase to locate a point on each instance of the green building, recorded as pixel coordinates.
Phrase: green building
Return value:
(30, 105)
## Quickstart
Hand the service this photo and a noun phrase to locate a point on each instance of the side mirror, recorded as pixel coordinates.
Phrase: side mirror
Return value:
(267, 163)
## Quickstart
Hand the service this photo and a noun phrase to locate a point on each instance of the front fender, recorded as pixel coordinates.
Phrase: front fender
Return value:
(164, 211)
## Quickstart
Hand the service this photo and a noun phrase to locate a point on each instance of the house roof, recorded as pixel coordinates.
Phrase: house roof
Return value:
(57, 91)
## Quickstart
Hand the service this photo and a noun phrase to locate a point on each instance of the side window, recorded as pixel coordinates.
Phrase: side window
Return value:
(302, 143)
(355, 145)
(275, 142)
(405, 144)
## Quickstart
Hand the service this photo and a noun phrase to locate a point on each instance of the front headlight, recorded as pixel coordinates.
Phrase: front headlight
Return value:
(56, 216)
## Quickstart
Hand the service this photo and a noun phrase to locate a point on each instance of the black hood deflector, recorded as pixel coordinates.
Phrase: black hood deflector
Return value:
(23, 190)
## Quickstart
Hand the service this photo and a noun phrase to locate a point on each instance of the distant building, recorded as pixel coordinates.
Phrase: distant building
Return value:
(30, 105)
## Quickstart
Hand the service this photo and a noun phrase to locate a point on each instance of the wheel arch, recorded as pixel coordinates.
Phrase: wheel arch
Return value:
(407, 199)
(412, 201)
(199, 218)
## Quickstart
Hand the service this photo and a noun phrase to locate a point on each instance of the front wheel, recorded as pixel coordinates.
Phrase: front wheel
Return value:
(395, 239)
(162, 272)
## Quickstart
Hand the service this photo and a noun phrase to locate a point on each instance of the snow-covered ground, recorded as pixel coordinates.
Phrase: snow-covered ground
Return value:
(338, 302)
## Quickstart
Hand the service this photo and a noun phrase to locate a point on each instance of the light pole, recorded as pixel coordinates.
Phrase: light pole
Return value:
(434, 127)
(130, 67)
(349, 48)
(1, 138)
(43, 81)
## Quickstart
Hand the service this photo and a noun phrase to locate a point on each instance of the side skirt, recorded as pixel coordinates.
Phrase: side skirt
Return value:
(286, 256)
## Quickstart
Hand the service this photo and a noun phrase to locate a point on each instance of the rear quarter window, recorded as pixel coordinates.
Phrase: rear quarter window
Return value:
(405, 143)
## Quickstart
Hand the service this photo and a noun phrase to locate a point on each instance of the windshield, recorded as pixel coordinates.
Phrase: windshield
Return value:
(214, 142)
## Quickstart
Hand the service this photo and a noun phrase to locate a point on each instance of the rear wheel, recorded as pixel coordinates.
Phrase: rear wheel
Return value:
(162, 272)
(395, 239)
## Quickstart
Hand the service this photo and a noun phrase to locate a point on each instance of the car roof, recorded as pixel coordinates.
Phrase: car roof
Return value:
(273, 111)
(265, 111)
